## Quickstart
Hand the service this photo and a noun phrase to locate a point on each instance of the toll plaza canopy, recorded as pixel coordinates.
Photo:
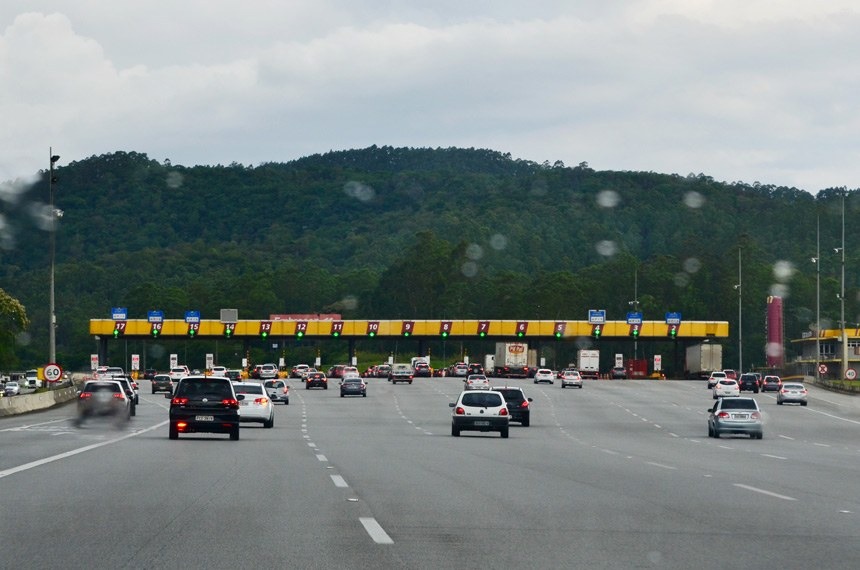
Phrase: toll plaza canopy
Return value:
(424, 329)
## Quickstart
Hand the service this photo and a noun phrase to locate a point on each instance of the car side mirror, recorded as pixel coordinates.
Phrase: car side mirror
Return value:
(529, 399)
(451, 404)
(168, 396)
(240, 397)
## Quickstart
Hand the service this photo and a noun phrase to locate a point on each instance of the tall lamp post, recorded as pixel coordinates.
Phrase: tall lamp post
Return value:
(52, 327)
(635, 304)
(843, 332)
(817, 261)
(740, 317)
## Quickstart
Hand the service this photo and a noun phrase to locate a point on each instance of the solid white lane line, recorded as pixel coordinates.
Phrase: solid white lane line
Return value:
(764, 492)
(375, 530)
(660, 465)
(20, 428)
(73, 452)
(773, 456)
(339, 481)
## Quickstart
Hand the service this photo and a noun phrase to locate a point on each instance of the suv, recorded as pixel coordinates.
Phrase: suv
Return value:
(129, 392)
(268, 372)
(518, 405)
(715, 377)
(422, 369)
(204, 404)
(400, 373)
(735, 415)
(749, 381)
(178, 373)
(162, 383)
(771, 384)
(480, 410)
(149, 374)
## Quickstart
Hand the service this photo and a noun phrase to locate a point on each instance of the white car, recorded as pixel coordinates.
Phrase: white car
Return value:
(544, 375)
(257, 406)
(726, 388)
(571, 378)
(480, 410)
(12, 388)
(219, 371)
(476, 382)
(277, 390)
(715, 377)
(177, 373)
(299, 371)
(268, 372)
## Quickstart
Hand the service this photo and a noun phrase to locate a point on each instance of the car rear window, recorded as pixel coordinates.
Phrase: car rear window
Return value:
(488, 400)
(189, 387)
(512, 395)
(101, 388)
(249, 389)
(739, 404)
(727, 382)
(793, 386)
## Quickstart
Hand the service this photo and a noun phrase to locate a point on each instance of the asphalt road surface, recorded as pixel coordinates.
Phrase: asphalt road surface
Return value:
(620, 474)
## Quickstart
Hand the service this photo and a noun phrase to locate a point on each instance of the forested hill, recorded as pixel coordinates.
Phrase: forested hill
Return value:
(399, 232)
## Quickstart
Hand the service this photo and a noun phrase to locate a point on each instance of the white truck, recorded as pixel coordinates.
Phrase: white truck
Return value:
(511, 359)
(588, 363)
(702, 359)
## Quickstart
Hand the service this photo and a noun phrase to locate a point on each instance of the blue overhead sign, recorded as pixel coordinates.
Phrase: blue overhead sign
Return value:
(634, 318)
(155, 316)
(192, 316)
(119, 313)
(597, 316)
(673, 318)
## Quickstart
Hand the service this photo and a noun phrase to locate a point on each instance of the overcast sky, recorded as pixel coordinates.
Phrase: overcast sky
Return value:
(741, 90)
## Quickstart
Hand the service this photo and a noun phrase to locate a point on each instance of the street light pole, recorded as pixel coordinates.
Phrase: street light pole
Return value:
(842, 296)
(817, 261)
(740, 317)
(52, 326)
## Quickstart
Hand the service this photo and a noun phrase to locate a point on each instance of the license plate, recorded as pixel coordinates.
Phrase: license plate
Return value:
(243, 403)
(204, 418)
(741, 416)
(482, 423)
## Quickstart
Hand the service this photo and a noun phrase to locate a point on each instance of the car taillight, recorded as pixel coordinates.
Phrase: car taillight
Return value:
(85, 395)
(525, 404)
(459, 411)
(756, 415)
(262, 401)
(503, 412)
(117, 395)
(178, 401)
(230, 402)
(723, 415)
(784, 391)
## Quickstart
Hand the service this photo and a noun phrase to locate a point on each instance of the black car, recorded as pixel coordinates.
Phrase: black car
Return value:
(422, 369)
(475, 368)
(149, 374)
(749, 382)
(353, 386)
(518, 405)
(316, 380)
(162, 383)
(204, 404)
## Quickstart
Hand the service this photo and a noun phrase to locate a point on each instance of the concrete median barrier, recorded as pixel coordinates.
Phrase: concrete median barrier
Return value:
(23, 403)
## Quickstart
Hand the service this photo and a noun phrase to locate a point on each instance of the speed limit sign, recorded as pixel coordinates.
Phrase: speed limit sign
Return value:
(851, 374)
(52, 372)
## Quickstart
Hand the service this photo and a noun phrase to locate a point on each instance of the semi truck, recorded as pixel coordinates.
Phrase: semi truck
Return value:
(512, 359)
(702, 359)
(588, 363)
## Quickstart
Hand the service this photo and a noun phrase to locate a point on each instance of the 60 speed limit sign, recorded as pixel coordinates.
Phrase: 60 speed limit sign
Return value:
(53, 372)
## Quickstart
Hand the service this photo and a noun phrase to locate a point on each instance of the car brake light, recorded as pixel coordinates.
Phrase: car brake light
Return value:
(503, 412)
(756, 415)
(525, 404)
(459, 411)
(117, 395)
(262, 401)
(178, 401)
(723, 415)
(181, 425)
(230, 402)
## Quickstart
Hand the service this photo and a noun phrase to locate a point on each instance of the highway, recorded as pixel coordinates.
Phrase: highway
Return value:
(620, 474)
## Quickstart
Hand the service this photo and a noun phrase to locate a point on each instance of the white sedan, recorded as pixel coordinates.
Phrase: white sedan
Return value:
(256, 406)
(726, 387)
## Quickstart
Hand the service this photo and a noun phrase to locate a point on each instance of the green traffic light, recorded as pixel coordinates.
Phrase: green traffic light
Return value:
(300, 334)
(444, 335)
(115, 333)
(335, 333)
(371, 334)
(482, 334)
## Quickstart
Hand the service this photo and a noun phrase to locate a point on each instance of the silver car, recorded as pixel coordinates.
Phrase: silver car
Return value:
(735, 415)
(793, 393)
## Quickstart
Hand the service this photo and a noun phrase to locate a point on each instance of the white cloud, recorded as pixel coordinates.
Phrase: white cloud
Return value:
(752, 90)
